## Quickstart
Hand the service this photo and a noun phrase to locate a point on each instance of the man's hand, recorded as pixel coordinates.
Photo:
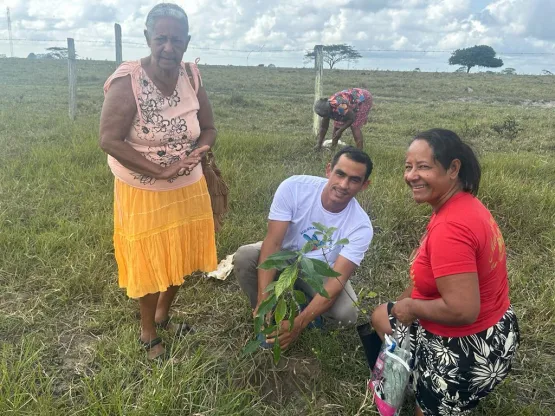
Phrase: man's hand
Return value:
(286, 337)
(402, 310)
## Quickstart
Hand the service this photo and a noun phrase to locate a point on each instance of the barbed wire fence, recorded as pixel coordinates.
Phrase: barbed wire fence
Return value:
(117, 46)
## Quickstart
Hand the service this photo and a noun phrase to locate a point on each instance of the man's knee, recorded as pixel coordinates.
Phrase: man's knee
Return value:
(346, 315)
(245, 261)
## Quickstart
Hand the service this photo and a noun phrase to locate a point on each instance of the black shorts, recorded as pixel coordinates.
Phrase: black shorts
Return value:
(451, 375)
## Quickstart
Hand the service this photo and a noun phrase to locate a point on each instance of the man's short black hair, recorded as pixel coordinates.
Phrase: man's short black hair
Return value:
(356, 155)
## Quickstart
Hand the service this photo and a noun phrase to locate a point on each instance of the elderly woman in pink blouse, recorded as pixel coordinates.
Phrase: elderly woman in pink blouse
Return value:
(156, 123)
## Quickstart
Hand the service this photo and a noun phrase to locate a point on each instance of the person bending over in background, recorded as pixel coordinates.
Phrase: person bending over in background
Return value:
(348, 108)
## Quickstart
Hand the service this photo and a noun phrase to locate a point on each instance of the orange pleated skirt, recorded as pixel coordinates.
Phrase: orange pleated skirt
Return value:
(162, 236)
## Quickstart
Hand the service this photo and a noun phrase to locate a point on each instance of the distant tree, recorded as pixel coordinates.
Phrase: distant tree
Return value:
(509, 71)
(336, 53)
(57, 52)
(480, 55)
(546, 72)
(416, 70)
(31, 56)
(461, 69)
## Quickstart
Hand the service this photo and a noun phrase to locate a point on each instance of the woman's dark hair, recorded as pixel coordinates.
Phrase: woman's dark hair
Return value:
(447, 146)
(356, 155)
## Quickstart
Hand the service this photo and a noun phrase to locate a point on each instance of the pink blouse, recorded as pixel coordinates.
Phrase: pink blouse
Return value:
(165, 128)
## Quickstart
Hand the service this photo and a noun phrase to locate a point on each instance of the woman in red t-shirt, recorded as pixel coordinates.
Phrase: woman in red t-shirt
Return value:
(464, 332)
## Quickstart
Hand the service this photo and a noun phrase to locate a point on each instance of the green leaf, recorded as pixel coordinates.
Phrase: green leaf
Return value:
(320, 227)
(269, 330)
(330, 231)
(316, 284)
(267, 306)
(371, 295)
(292, 313)
(283, 255)
(342, 242)
(273, 264)
(277, 352)
(286, 279)
(300, 297)
(323, 268)
(258, 322)
(270, 287)
(251, 347)
(281, 310)
(307, 267)
(307, 248)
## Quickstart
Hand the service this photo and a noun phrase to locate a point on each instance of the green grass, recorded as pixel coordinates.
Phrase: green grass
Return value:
(68, 333)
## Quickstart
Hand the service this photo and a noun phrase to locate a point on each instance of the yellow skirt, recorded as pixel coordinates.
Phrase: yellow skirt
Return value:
(162, 236)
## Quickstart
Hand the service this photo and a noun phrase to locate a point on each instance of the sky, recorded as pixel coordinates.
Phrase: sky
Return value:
(389, 34)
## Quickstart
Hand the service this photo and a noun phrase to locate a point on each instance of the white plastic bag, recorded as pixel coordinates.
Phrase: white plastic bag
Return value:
(391, 375)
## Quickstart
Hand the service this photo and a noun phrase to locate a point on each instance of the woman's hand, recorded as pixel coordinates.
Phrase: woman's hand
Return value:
(402, 310)
(199, 152)
(178, 168)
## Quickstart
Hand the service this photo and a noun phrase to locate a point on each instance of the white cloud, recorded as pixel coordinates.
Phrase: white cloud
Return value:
(507, 25)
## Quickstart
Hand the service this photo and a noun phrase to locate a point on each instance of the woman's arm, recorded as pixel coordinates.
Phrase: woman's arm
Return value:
(459, 303)
(349, 119)
(205, 116)
(324, 125)
(117, 115)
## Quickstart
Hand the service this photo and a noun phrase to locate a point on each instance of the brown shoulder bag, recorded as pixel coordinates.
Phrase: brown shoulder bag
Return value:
(217, 188)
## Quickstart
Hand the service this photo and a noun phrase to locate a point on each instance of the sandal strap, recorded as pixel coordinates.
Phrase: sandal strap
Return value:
(149, 345)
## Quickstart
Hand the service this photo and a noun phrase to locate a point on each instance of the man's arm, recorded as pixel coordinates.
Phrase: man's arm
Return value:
(271, 244)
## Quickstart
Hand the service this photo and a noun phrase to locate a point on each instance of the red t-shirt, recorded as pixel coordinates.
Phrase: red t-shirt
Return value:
(463, 237)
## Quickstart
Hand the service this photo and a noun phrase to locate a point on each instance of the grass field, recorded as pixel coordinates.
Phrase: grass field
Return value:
(68, 334)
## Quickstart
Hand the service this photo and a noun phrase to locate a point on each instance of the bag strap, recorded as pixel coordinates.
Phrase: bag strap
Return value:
(193, 75)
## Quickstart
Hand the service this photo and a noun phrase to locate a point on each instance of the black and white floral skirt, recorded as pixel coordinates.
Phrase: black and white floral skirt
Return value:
(451, 375)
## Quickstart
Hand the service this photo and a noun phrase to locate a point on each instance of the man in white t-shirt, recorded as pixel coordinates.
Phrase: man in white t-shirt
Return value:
(299, 202)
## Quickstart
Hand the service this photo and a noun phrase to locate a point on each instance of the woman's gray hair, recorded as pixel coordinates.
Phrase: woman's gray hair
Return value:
(166, 10)
(322, 107)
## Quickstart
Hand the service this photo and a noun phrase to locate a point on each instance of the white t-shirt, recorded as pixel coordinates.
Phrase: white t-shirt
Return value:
(298, 199)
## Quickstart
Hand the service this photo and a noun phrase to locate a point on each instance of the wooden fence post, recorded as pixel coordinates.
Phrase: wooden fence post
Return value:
(119, 58)
(318, 86)
(72, 78)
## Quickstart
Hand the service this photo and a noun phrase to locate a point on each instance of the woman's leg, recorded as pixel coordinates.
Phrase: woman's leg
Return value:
(357, 134)
(147, 306)
(164, 303)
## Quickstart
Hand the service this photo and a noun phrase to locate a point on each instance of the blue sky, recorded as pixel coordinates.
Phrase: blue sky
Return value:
(514, 28)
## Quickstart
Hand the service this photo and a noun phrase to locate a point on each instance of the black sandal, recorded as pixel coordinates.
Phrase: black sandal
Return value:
(150, 345)
(181, 330)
